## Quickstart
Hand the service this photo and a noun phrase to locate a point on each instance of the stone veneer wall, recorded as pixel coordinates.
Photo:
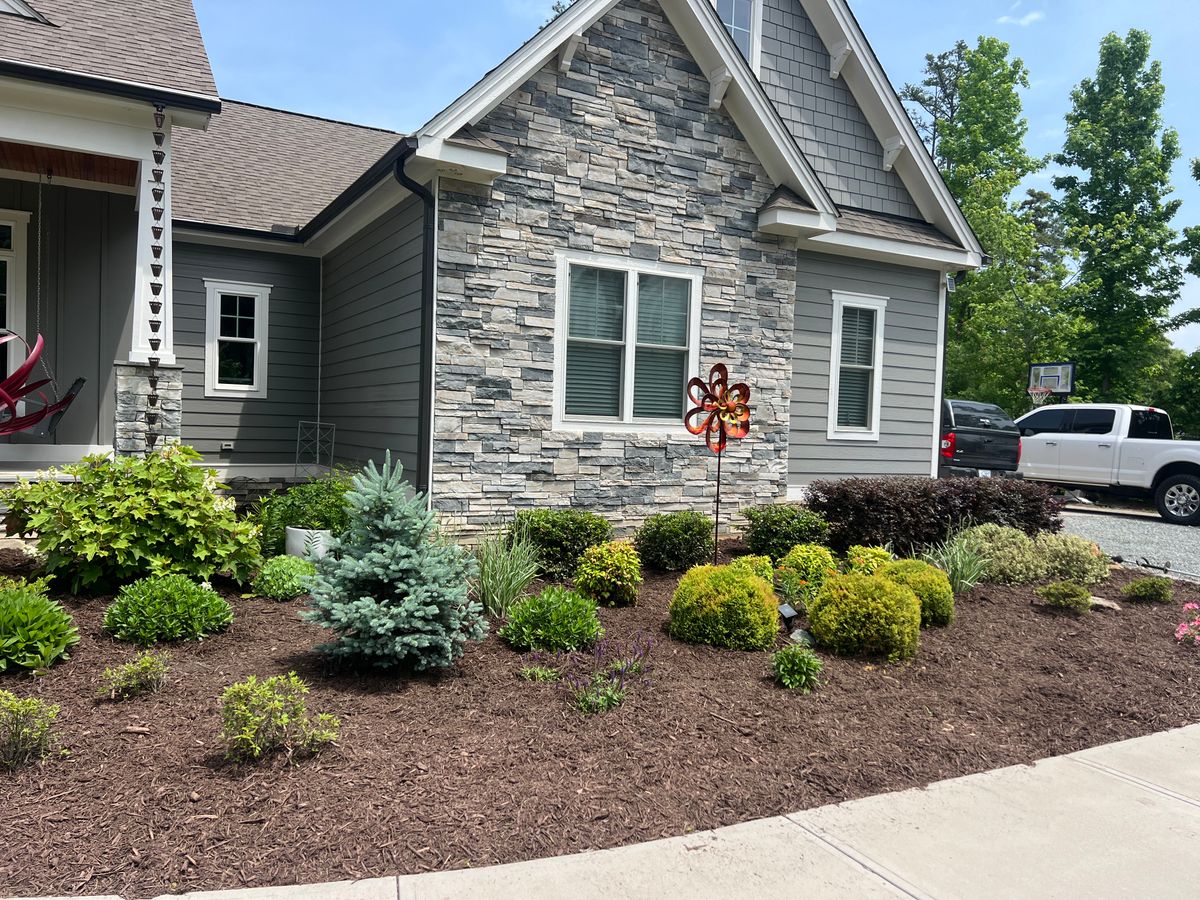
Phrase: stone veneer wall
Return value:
(134, 395)
(620, 155)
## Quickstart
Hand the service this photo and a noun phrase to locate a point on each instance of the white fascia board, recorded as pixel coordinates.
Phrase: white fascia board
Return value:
(456, 160)
(796, 223)
(184, 235)
(860, 246)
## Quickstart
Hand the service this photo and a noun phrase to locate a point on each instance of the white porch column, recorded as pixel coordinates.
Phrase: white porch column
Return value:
(152, 292)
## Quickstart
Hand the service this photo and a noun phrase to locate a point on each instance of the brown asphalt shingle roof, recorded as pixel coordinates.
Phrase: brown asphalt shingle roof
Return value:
(872, 224)
(258, 168)
(149, 42)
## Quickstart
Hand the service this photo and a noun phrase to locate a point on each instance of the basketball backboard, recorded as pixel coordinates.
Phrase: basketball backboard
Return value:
(1059, 377)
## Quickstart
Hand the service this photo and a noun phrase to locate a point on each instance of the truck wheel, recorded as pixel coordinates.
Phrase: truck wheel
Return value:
(1178, 499)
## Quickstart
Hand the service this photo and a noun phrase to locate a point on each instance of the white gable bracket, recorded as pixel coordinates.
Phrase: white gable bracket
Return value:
(718, 82)
(566, 53)
(892, 148)
(837, 58)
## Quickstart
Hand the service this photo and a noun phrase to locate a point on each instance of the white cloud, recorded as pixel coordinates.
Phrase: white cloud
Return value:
(1025, 21)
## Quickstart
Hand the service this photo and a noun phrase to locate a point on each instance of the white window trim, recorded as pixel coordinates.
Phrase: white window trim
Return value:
(17, 287)
(262, 301)
(632, 268)
(842, 300)
(756, 30)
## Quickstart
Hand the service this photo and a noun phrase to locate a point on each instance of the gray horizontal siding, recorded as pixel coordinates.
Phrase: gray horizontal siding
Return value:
(911, 339)
(263, 430)
(370, 363)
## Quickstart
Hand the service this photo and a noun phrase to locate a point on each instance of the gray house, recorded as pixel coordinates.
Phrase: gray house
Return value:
(511, 298)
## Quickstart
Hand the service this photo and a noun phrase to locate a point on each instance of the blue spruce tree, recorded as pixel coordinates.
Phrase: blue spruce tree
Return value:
(392, 589)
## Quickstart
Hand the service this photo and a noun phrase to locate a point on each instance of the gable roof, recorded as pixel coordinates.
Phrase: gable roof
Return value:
(151, 44)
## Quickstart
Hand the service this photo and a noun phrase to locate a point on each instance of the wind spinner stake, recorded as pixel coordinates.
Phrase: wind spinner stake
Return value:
(719, 411)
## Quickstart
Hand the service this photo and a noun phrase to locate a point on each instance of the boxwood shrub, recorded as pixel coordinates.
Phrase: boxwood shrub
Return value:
(724, 606)
(1151, 589)
(776, 528)
(610, 573)
(930, 584)
(561, 536)
(676, 541)
(868, 614)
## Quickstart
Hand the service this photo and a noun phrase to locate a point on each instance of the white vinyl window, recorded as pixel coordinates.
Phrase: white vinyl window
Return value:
(743, 19)
(856, 367)
(235, 347)
(627, 338)
(13, 227)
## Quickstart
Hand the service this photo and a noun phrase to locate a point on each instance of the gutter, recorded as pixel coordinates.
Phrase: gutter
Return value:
(128, 89)
(407, 147)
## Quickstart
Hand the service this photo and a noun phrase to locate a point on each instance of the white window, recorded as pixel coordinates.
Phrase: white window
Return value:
(13, 227)
(235, 348)
(856, 367)
(743, 19)
(627, 337)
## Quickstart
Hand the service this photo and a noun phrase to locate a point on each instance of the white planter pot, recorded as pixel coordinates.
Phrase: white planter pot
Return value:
(304, 542)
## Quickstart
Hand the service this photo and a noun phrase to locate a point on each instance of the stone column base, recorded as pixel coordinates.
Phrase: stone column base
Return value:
(147, 405)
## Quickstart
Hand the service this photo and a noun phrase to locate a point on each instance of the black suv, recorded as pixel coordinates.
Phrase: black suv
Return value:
(977, 439)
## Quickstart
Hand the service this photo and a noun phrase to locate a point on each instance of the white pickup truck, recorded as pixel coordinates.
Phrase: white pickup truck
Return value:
(1116, 448)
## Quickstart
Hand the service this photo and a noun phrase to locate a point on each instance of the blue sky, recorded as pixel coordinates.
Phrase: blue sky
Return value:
(395, 63)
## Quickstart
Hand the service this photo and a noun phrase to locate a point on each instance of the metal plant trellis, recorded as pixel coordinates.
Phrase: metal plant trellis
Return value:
(720, 411)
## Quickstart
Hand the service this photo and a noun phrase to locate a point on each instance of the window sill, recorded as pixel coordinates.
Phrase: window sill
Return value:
(601, 426)
(230, 393)
(835, 435)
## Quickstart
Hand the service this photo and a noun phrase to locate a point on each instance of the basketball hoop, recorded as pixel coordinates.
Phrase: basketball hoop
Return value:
(1038, 395)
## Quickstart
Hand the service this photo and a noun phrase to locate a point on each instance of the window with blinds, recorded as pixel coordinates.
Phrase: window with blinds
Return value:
(855, 366)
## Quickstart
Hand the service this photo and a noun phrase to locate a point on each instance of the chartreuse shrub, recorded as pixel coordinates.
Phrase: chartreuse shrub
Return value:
(854, 614)
(726, 607)
(561, 536)
(122, 518)
(610, 573)
(776, 528)
(676, 541)
(802, 572)
(317, 504)
(1072, 558)
(931, 586)
(263, 717)
(145, 674)
(392, 589)
(166, 608)
(505, 566)
(35, 631)
(755, 565)
(1152, 589)
(1067, 595)
(866, 560)
(25, 729)
(283, 577)
(555, 619)
(1012, 557)
(796, 668)
(961, 559)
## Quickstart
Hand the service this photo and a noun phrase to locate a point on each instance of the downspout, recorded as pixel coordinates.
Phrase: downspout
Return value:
(408, 146)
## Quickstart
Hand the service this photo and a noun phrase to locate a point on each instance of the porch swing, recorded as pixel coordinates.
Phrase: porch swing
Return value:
(15, 388)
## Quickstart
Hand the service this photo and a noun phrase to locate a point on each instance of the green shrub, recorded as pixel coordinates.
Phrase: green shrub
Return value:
(145, 674)
(1012, 557)
(802, 572)
(319, 504)
(610, 573)
(796, 668)
(866, 560)
(1072, 558)
(392, 589)
(726, 607)
(1153, 589)
(25, 729)
(599, 694)
(262, 717)
(166, 608)
(962, 561)
(35, 631)
(931, 586)
(869, 614)
(755, 565)
(1066, 595)
(776, 528)
(506, 566)
(674, 542)
(561, 536)
(122, 518)
(283, 577)
(555, 619)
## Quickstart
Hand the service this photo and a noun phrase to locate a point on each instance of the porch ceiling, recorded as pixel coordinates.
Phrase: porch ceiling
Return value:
(67, 164)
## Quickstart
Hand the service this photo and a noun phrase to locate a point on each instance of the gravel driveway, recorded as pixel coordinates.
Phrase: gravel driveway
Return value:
(1133, 538)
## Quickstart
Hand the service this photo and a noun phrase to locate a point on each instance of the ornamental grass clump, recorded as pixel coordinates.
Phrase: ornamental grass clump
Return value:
(1072, 558)
(610, 573)
(263, 717)
(283, 577)
(145, 674)
(725, 607)
(775, 528)
(166, 608)
(676, 541)
(35, 631)
(931, 586)
(561, 536)
(506, 564)
(1012, 557)
(1151, 589)
(392, 589)
(26, 729)
(961, 559)
(1066, 595)
(556, 619)
(796, 668)
(803, 571)
(866, 614)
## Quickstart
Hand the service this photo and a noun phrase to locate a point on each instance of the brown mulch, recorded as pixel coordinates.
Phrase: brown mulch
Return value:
(476, 767)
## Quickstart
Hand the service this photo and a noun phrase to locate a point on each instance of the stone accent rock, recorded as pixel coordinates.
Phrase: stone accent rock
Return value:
(620, 155)
(134, 391)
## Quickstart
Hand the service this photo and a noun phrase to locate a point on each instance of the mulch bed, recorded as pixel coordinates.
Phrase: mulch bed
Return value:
(476, 767)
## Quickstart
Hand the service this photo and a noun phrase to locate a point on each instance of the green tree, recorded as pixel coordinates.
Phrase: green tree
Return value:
(1181, 397)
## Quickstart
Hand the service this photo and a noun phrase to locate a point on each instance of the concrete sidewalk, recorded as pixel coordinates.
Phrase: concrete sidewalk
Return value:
(1118, 821)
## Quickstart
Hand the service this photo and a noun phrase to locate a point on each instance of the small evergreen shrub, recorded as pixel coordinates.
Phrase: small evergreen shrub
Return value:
(725, 607)
(931, 586)
(166, 608)
(26, 728)
(1066, 595)
(610, 573)
(122, 518)
(796, 668)
(1072, 558)
(561, 536)
(283, 577)
(263, 717)
(866, 560)
(674, 542)
(961, 560)
(35, 631)
(555, 619)
(506, 566)
(1012, 557)
(1152, 589)
(802, 572)
(319, 504)
(145, 674)
(776, 528)
(868, 614)
(392, 589)
(755, 565)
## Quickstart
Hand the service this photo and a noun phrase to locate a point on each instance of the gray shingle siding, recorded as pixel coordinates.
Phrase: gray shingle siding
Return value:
(263, 430)
(370, 362)
(909, 370)
(824, 116)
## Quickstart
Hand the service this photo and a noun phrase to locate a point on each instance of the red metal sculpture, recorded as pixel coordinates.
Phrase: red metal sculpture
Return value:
(720, 411)
(14, 388)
